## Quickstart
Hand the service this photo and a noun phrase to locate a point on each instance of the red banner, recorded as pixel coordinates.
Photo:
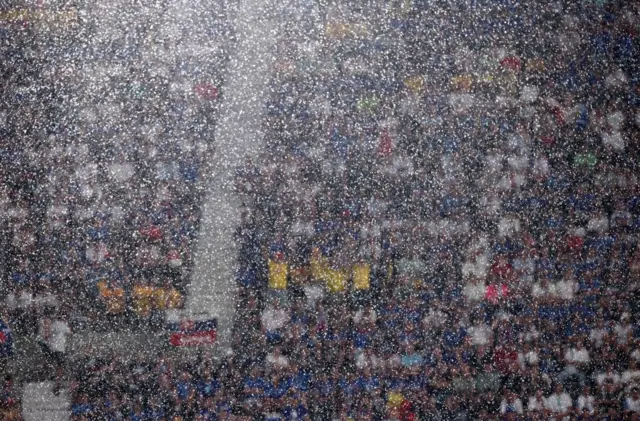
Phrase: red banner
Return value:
(192, 338)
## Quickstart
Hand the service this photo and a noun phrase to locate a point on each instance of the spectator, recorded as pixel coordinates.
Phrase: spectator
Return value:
(276, 361)
(586, 402)
(52, 333)
(274, 320)
(632, 402)
(559, 403)
(609, 399)
(510, 403)
(537, 403)
(576, 362)
(9, 402)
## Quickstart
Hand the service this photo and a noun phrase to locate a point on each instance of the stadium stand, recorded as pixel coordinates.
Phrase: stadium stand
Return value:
(444, 225)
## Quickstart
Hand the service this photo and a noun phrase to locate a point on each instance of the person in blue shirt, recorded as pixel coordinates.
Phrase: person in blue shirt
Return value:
(154, 410)
(324, 385)
(410, 357)
(138, 414)
(366, 382)
(277, 389)
(184, 386)
(294, 408)
(254, 384)
(82, 407)
(6, 340)
(301, 378)
(347, 385)
(453, 337)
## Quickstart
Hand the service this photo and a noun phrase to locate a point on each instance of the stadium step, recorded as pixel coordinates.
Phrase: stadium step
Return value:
(29, 363)
(40, 403)
(239, 133)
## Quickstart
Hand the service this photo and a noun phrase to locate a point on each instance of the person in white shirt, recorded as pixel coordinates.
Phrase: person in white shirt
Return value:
(528, 357)
(275, 359)
(586, 401)
(52, 333)
(365, 315)
(525, 266)
(11, 301)
(435, 317)
(576, 359)
(537, 402)
(608, 376)
(632, 401)
(559, 403)
(623, 329)
(599, 223)
(631, 376)
(566, 289)
(45, 298)
(365, 359)
(577, 355)
(274, 318)
(480, 333)
(544, 290)
(474, 290)
(529, 332)
(635, 354)
(511, 402)
(24, 311)
(599, 333)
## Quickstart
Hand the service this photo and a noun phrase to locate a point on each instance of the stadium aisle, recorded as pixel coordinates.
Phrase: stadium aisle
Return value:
(39, 403)
(257, 25)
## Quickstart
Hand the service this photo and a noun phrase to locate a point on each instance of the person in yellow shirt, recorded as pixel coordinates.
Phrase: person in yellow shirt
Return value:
(278, 278)
(361, 276)
(174, 299)
(337, 30)
(415, 84)
(336, 285)
(113, 297)
(158, 299)
(102, 285)
(166, 298)
(298, 279)
(361, 279)
(319, 265)
(336, 280)
(278, 272)
(142, 295)
(462, 83)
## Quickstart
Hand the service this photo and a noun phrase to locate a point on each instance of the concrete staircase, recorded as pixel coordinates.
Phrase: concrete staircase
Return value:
(239, 133)
(40, 404)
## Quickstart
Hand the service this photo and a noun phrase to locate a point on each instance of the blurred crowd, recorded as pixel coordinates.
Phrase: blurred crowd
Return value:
(104, 130)
(158, 389)
(444, 223)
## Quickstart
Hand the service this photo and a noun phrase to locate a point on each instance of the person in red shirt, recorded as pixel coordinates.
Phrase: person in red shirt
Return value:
(505, 358)
(502, 269)
(496, 293)
(502, 275)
